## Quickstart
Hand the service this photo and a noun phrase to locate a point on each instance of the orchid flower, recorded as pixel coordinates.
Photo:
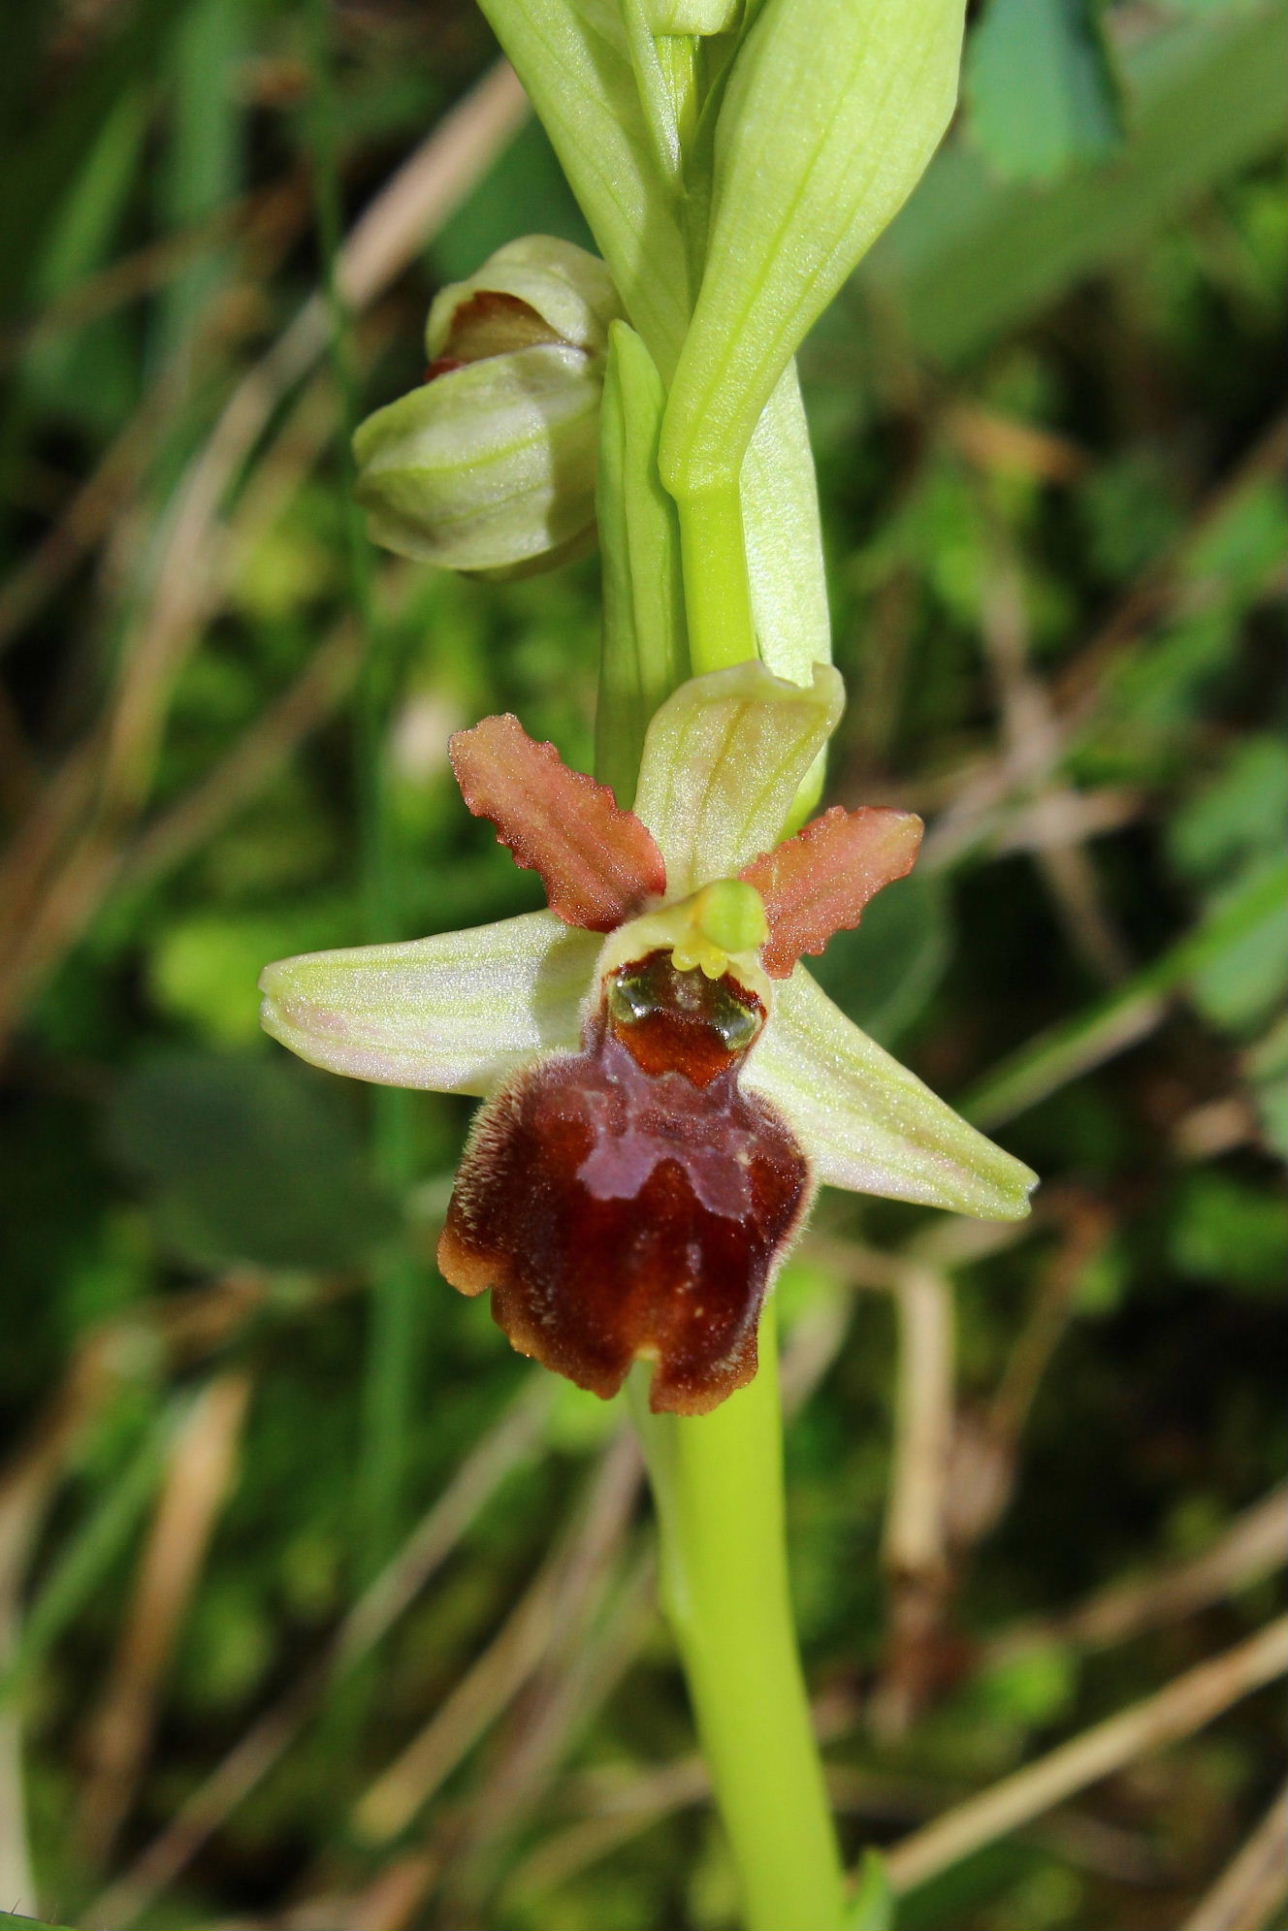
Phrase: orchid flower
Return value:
(666, 1085)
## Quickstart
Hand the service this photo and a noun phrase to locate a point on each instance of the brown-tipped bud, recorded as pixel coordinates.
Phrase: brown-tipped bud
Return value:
(490, 465)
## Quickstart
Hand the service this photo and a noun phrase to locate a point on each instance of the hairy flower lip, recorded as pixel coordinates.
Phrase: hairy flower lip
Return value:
(621, 1206)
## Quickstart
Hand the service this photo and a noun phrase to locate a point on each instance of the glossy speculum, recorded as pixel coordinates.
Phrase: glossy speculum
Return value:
(629, 1200)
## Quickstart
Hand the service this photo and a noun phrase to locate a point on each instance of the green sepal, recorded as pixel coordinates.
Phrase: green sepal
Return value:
(867, 1123)
(723, 761)
(644, 653)
(456, 1013)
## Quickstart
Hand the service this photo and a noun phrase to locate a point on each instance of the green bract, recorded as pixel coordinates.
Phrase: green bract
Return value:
(692, 16)
(645, 651)
(831, 113)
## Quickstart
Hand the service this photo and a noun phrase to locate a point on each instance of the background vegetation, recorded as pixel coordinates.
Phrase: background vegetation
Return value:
(318, 1607)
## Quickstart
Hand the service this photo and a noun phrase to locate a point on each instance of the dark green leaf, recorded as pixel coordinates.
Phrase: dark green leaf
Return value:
(1230, 1232)
(247, 1160)
(970, 257)
(884, 973)
(1240, 813)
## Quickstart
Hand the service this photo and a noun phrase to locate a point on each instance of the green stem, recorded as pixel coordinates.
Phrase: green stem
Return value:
(717, 588)
(718, 1484)
(718, 1481)
(388, 1399)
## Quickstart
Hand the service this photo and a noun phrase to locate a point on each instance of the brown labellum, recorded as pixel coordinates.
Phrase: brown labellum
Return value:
(629, 1201)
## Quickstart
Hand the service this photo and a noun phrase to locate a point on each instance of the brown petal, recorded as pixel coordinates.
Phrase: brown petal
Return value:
(819, 882)
(617, 1214)
(598, 863)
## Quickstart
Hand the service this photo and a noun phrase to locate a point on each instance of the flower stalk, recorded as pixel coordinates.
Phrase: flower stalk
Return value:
(717, 1484)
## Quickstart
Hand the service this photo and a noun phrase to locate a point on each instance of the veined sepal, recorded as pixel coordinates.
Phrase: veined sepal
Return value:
(457, 1013)
(489, 468)
(723, 762)
(870, 1125)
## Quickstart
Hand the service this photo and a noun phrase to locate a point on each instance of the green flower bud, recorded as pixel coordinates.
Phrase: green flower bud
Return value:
(490, 465)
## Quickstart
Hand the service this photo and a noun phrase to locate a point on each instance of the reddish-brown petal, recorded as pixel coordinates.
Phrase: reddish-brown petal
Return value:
(598, 863)
(819, 882)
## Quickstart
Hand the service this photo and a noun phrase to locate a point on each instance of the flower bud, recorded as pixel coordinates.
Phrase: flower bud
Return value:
(490, 465)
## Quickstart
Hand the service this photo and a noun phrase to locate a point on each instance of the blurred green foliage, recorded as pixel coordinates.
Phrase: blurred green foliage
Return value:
(1046, 418)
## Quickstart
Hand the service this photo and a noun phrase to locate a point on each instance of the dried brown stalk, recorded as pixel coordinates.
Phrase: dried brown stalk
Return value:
(201, 1468)
(1254, 1884)
(402, 1579)
(1186, 1705)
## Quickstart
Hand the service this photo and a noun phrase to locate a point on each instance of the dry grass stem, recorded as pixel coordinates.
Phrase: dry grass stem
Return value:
(1001, 445)
(553, 1606)
(255, 758)
(1186, 1705)
(914, 1551)
(1033, 736)
(987, 795)
(1255, 1884)
(1088, 1225)
(68, 858)
(1253, 1547)
(596, 1637)
(202, 1461)
(271, 1735)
